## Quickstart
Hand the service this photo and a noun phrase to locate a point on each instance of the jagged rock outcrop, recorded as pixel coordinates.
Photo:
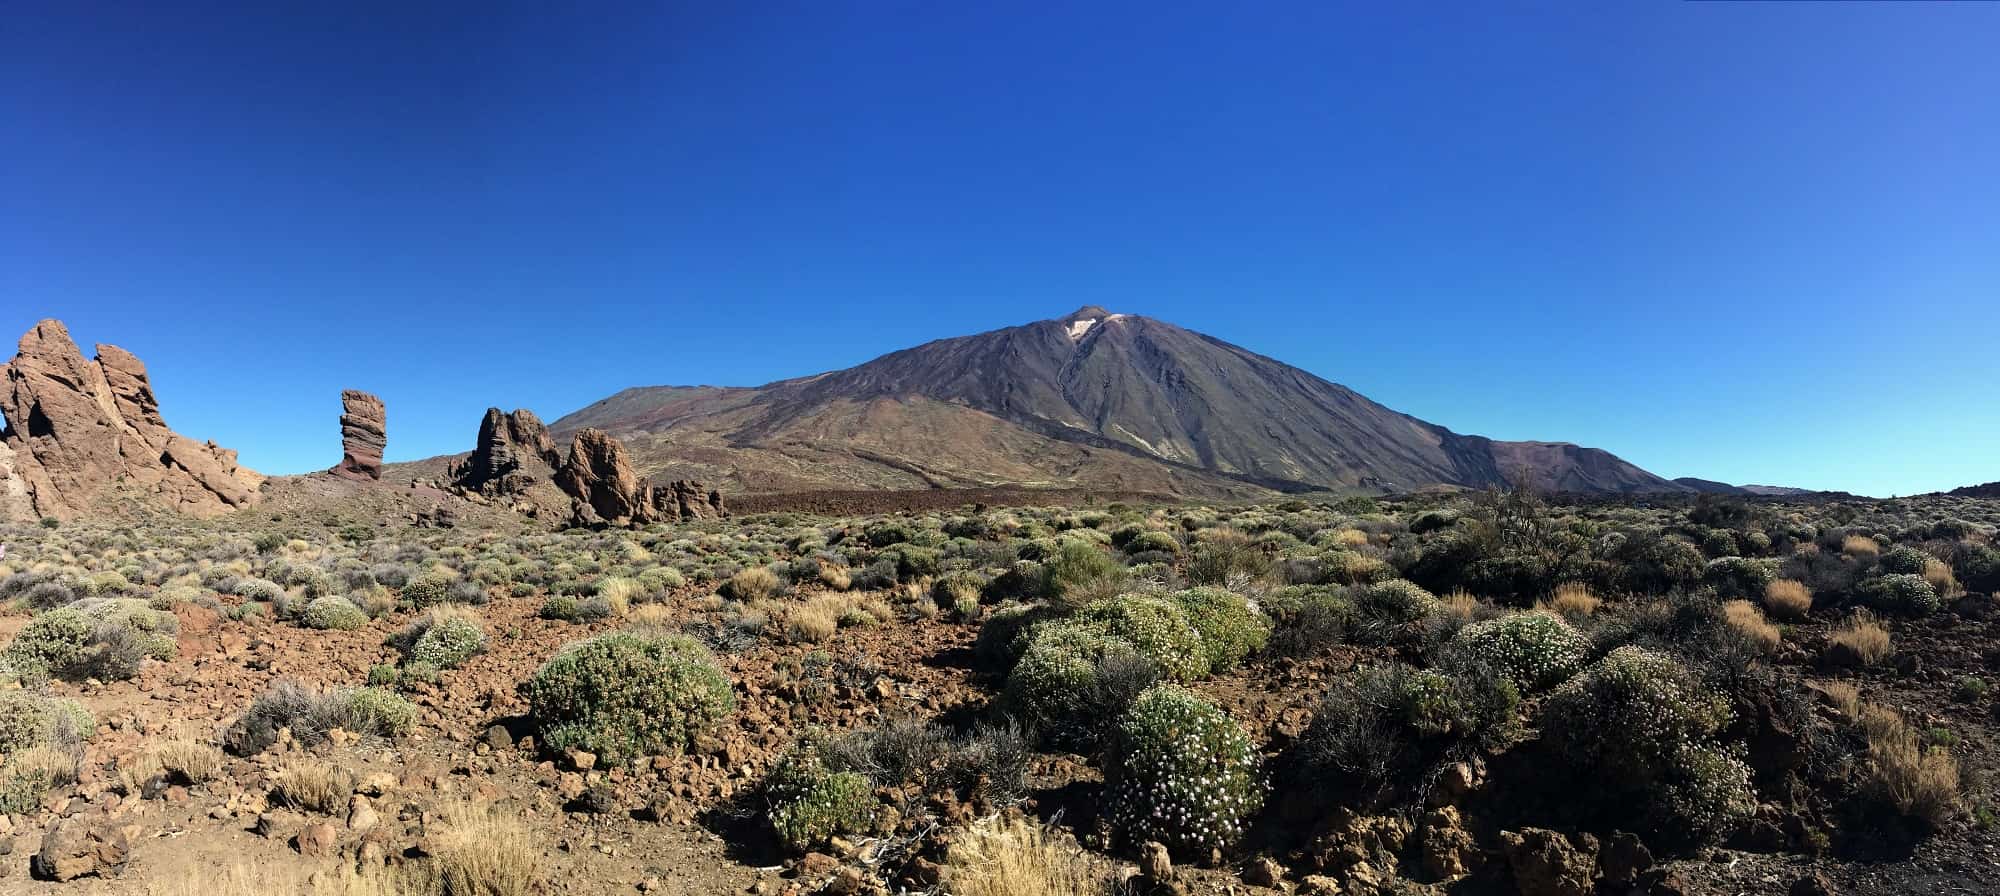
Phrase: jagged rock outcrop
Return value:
(685, 499)
(364, 433)
(516, 461)
(599, 477)
(514, 452)
(80, 433)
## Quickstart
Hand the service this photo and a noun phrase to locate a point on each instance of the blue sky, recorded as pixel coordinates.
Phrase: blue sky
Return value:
(1750, 242)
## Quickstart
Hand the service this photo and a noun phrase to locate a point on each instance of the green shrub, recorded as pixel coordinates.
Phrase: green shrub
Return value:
(957, 594)
(628, 694)
(1903, 594)
(1158, 628)
(1153, 542)
(52, 644)
(32, 720)
(331, 612)
(1641, 728)
(1072, 680)
(376, 711)
(810, 803)
(1080, 572)
(1310, 618)
(1390, 612)
(1533, 650)
(1180, 771)
(1230, 629)
(427, 590)
(1737, 578)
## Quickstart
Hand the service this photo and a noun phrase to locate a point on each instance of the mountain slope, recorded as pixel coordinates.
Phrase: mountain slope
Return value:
(1091, 399)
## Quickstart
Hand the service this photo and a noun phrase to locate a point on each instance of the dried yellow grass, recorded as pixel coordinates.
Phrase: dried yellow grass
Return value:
(275, 878)
(816, 620)
(483, 851)
(1573, 599)
(1917, 781)
(314, 785)
(1860, 546)
(1939, 575)
(653, 615)
(1846, 698)
(1788, 599)
(1866, 637)
(1350, 538)
(755, 583)
(1020, 857)
(1744, 617)
(1460, 604)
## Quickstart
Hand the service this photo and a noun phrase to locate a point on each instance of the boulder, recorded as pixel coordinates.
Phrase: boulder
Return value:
(1545, 863)
(363, 435)
(78, 847)
(77, 431)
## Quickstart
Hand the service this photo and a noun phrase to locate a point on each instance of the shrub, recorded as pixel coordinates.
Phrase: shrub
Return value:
(1737, 577)
(1905, 594)
(1226, 561)
(311, 713)
(810, 803)
(1787, 599)
(31, 720)
(1390, 612)
(1080, 573)
(628, 694)
(54, 643)
(1230, 629)
(1905, 560)
(1310, 619)
(1643, 729)
(27, 775)
(331, 612)
(753, 584)
(1157, 628)
(1070, 681)
(1180, 771)
(427, 590)
(958, 594)
(1153, 542)
(449, 639)
(1533, 650)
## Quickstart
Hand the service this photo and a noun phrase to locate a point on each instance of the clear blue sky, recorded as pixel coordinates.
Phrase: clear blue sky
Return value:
(1750, 242)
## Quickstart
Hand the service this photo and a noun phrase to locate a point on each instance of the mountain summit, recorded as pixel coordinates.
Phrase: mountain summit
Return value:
(1090, 399)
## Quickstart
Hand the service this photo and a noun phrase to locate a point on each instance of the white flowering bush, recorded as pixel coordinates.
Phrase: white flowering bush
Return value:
(1391, 612)
(1182, 772)
(451, 639)
(808, 803)
(628, 694)
(1158, 628)
(1534, 650)
(1904, 594)
(1643, 729)
(155, 631)
(1057, 688)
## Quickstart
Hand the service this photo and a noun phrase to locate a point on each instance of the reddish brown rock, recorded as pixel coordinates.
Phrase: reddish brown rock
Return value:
(599, 476)
(78, 847)
(363, 435)
(514, 451)
(80, 434)
(685, 500)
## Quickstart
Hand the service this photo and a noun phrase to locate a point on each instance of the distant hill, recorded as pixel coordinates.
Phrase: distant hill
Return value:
(1987, 490)
(1091, 399)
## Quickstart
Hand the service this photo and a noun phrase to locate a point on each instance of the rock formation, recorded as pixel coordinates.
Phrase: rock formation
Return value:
(363, 435)
(516, 461)
(80, 433)
(514, 452)
(599, 477)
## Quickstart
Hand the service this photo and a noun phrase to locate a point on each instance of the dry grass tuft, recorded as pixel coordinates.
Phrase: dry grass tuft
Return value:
(653, 615)
(314, 785)
(1744, 616)
(1845, 698)
(754, 584)
(1860, 546)
(1788, 599)
(484, 852)
(273, 878)
(1918, 782)
(1865, 637)
(57, 765)
(1574, 600)
(815, 621)
(1938, 574)
(1020, 857)
(1350, 538)
(189, 760)
(1461, 604)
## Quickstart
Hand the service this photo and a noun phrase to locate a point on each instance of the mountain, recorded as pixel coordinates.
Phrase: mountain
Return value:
(1092, 399)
